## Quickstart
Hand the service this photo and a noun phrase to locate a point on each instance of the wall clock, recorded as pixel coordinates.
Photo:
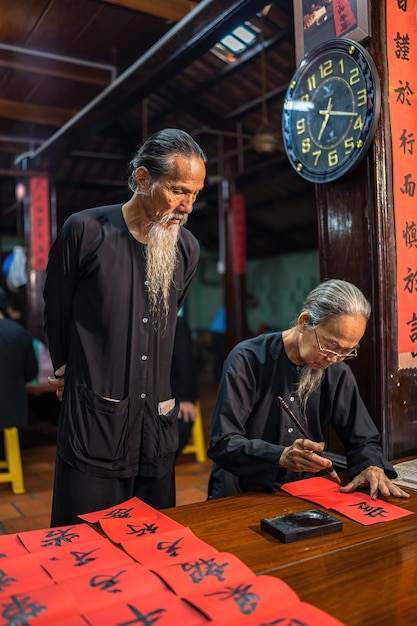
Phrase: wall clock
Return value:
(331, 110)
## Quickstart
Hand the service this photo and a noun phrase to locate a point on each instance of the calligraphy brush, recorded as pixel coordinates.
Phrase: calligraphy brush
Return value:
(296, 421)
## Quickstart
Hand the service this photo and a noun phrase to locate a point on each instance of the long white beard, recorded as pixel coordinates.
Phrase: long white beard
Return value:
(309, 381)
(161, 260)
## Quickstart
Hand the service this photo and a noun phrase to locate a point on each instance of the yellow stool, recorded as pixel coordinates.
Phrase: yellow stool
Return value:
(196, 443)
(13, 461)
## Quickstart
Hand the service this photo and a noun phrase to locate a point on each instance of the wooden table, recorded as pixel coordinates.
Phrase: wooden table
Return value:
(363, 575)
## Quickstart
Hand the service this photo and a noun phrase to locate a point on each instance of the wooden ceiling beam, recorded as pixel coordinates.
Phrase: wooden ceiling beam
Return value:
(167, 9)
(178, 48)
(32, 113)
(86, 75)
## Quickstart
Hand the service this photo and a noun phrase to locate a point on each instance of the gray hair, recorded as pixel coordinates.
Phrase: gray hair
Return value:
(335, 297)
(157, 152)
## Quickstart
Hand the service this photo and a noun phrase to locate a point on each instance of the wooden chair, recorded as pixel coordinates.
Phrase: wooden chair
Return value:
(196, 443)
(12, 462)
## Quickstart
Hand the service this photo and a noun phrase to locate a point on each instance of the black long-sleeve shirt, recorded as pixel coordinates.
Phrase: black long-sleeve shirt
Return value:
(18, 365)
(97, 322)
(249, 430)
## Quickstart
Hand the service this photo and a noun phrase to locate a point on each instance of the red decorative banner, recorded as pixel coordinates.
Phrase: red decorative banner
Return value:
(40, 219)
(402, 61)
(239, 233)
(344, 17)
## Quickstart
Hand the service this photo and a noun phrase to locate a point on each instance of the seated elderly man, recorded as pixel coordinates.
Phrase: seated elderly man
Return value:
(255, 444)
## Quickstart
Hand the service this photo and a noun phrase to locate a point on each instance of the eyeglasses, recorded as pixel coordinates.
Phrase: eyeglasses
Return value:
(339, 355)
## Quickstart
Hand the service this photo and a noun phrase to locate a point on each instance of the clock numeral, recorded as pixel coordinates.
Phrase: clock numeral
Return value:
(349, 145)
(301, 126)
(342, 66)
(358, 125)
(311, 82)
(316, 155)
(306, 145)
(362, 97)
(333, 158)
(326, 68)
(354, 76)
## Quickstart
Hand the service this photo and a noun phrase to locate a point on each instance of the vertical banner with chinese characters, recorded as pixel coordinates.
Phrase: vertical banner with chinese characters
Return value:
(40, 218)
(402, 76)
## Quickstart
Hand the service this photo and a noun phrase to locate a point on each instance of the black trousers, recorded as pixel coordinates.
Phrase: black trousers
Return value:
(76, 492)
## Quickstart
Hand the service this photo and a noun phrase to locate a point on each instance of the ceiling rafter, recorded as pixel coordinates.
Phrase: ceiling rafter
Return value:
(39, 114)
(168, 9)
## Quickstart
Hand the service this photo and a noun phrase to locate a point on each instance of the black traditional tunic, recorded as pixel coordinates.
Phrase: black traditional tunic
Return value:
(249, 430)
(97, 322)
(18, 365)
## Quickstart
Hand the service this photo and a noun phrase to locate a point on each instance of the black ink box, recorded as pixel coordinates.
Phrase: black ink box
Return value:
(301, 525)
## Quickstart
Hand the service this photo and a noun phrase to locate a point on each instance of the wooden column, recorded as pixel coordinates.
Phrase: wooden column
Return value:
(357, 243)
(234, 281)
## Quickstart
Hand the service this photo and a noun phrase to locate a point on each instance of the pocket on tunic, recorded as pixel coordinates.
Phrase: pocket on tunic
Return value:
(168, 432)
(103, 426)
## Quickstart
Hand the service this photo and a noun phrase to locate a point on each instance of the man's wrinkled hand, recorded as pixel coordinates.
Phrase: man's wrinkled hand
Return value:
(58, 382)
(378, 481)
(304, 455)
(187, 412)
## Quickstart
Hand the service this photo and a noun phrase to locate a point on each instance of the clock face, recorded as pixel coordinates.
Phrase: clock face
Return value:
(331, 110)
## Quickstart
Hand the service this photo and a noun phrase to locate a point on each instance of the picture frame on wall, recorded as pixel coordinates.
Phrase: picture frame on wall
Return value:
(320, 20)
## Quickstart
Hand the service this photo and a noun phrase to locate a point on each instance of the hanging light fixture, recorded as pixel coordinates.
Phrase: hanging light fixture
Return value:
(265, 139)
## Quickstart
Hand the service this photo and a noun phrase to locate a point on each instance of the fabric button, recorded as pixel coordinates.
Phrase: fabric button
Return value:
(145, 320)
(290, 429)
(292, 398)
(143, 357)
(143, 395)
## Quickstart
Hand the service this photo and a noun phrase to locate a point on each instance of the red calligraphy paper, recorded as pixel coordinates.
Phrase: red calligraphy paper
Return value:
(46, 605)
(22, 572)
(171, 547)
(180, 579)
(40, 540)
(244, 600)
(88, 557)
(119, 530)
(301, 614)
(115, 583)
(357, 506)
(10, 545)
(127, 509)
(161, 609)
(203, 573)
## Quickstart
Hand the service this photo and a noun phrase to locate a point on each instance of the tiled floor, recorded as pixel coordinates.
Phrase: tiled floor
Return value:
(31, 510)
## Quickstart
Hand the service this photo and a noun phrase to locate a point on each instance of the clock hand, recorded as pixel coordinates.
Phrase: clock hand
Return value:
(326, 114)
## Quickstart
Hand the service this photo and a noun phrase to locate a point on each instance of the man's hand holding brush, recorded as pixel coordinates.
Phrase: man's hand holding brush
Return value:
(304, 455)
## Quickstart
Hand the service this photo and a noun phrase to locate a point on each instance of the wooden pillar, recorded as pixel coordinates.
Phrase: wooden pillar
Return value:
(234, 220)
(235, 276)
(357, 243)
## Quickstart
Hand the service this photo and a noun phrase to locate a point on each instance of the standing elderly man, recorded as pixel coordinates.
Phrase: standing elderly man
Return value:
(254, 443)
(116, 278)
